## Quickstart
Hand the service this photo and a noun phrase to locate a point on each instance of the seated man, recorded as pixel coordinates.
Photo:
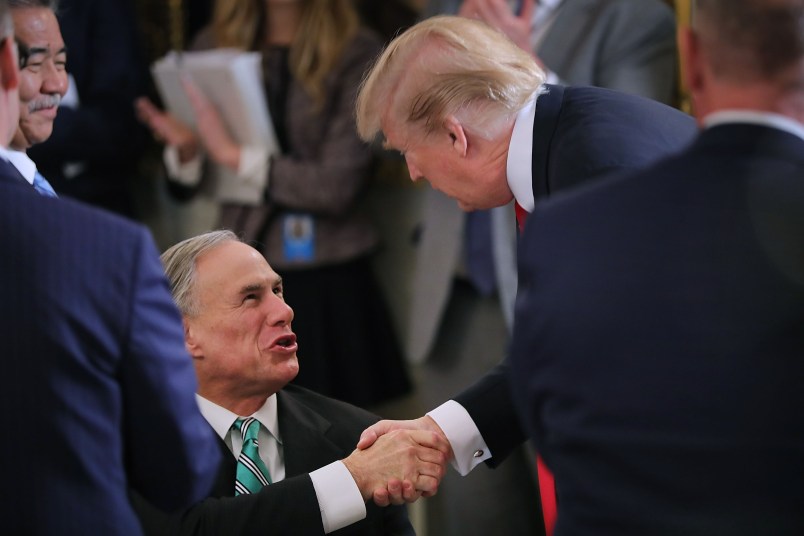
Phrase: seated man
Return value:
(237, 329)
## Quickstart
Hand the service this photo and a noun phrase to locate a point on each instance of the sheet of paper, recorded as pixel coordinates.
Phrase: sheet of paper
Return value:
(232, 80)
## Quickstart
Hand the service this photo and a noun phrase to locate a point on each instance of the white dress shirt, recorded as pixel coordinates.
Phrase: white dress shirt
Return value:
(338, 496)
(22, 162)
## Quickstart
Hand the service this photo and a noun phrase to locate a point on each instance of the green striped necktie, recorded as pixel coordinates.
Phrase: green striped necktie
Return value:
(252, 474)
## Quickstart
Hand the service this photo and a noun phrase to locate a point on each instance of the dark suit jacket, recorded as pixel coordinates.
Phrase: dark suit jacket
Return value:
(657, 353)
(94, 372)
(315, 432)
(94, 149)
(579, 133)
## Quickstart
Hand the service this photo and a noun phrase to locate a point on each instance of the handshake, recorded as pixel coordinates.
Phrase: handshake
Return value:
(397, 462)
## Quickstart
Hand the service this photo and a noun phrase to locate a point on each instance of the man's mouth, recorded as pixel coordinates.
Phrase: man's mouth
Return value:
(286, 341)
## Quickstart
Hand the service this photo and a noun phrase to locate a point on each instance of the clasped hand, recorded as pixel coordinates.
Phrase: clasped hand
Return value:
(410, 462)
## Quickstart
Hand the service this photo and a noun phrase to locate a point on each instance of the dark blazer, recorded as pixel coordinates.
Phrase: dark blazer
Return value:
(323, 170)
(316, 431)
(580, 133)
(95, 371)
(657, 353)
(94, 149)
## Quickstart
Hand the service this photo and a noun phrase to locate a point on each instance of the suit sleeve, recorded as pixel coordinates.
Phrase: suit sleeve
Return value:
(489, 404)
(158, 387)
(286, 507)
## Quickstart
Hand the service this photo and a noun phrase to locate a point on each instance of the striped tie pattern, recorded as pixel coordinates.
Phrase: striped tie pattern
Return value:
(41, 185)
(252, 474)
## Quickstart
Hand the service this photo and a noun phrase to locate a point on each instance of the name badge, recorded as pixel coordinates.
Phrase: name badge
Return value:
(298, 237)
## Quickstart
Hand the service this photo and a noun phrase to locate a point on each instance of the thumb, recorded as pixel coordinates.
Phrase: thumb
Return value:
(367, 438)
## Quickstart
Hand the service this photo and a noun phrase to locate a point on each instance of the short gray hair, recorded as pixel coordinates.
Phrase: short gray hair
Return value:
(6, 22)
(180, 260)
(52, 5)
(751, 38)
(445, 66)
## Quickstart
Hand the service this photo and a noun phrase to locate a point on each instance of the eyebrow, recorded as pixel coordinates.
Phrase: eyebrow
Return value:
(253, 287)
(24, 52)
(43, 50)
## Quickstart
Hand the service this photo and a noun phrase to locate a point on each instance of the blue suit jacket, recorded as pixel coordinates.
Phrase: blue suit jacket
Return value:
(580, 134)
(658, 343)
(95, 372)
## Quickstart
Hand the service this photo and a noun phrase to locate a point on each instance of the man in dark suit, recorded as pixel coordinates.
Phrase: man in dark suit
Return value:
(658, 341)
(95, 368)
(93, 152)
(238, 331)
(43, 82)
(469, 111)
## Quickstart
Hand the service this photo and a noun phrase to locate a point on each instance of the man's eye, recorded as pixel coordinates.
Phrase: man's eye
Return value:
(251, 297)
(278, 291)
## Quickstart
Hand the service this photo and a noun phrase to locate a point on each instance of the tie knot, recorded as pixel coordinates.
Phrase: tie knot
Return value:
(248, 428)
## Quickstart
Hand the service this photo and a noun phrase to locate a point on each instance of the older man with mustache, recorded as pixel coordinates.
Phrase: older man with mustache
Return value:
(43, 82)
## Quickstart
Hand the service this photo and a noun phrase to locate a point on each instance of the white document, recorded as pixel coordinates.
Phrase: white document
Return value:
(232, 80)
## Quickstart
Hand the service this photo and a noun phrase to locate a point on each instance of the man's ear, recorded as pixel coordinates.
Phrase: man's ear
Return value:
(689, 49)
(9, 73)
(460, 142)
(193, 348)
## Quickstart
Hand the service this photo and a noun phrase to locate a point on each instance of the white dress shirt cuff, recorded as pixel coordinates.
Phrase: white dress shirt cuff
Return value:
(339, 498)
(255, 163)
(467, 444)
(187, 173)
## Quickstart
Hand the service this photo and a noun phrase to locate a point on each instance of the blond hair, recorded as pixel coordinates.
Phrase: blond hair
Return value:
(447, 66)
(326, 28)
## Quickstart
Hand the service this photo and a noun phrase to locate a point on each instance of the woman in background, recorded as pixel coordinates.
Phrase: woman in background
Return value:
(308, 224)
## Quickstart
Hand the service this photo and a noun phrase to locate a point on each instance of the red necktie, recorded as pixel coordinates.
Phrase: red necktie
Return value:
(521, 215)
(547, 484)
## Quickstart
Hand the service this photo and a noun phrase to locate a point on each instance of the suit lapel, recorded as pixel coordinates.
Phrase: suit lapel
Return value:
(548, 108)
(304, 437)
(10, 174)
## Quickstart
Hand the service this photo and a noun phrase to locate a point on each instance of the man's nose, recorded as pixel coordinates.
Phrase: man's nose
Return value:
(54, 81)
(279, 313)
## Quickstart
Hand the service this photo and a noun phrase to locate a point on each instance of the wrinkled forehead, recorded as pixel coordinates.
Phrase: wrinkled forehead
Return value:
(37, 32)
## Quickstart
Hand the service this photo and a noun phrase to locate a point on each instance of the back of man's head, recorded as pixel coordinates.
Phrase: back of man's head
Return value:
(447, 66)
(753, 40)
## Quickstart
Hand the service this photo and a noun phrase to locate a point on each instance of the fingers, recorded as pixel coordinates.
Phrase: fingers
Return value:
(381, 497)
(197, 99)
(373, 432)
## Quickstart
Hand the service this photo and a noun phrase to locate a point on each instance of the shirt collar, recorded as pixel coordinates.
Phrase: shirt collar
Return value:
(520, 156)
(22, 162)
(754, 117)
(221, 419)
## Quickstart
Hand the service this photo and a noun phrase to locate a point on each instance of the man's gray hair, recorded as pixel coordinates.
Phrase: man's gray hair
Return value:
(759, 39)
(6, 22)
(180, 261)
(52, 5)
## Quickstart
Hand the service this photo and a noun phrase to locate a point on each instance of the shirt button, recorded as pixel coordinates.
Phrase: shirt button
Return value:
(478, 453)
